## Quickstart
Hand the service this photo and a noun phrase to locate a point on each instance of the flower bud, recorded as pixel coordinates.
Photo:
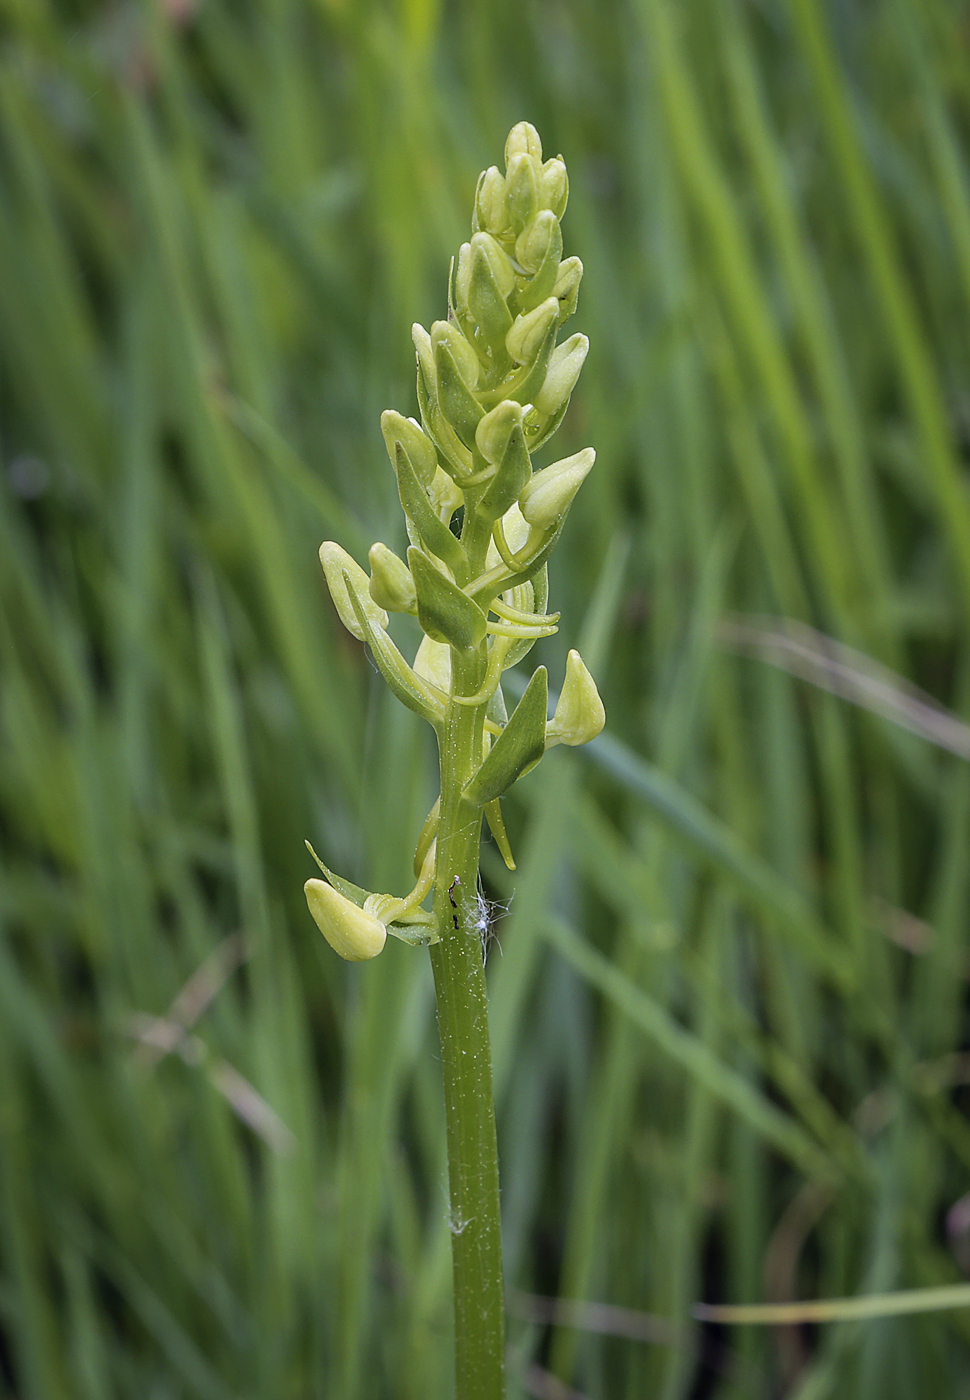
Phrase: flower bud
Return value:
(342, 574)
(425, 354)
(528, 333)
(523, 139)
(522, 185)
(580, 715)
(499, 261)
(492, 433)
(554, 186)
(415, 441)
(540, 239)
(352, 933)
(564, 366)
(445, 333)
(566, 289)
(463, 274)
(502, 443)
(458, 406)
(391, 584)
(491, 212)
(425, 521)
(549, 494)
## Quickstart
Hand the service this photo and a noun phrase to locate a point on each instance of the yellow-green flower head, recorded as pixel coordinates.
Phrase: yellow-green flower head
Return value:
(351, 932)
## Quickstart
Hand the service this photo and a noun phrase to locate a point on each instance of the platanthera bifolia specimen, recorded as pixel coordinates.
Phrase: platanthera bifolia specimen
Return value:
(493, 385)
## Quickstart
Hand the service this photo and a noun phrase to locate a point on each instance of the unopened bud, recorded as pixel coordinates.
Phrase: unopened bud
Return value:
(580, 715)
(554, 186)
(343, 574)
(350, 931)
(528, 333)
(491, 213)
(566, 290)
(415, 441)
(540, 239)
(522, 185)
(463, 274)
(523, 139)
(492, 433)
(549, 494)
(564, 367)
(499, 261)
(391, 584)
(425, 354)
(445, 333)
(500, 438)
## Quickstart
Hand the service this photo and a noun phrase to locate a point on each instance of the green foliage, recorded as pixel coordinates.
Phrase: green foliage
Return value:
(729, 1010)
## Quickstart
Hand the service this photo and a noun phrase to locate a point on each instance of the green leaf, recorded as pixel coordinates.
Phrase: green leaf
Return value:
(549, 239)
(519, 746)
(446, 613)
(435, 535)
(513, 475)
(455, 400)
(485, 301)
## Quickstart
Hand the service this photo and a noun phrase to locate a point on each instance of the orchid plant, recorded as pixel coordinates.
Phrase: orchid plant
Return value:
(493, 384)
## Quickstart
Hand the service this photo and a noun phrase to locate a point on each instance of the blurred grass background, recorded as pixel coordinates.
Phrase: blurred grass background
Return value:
(729, 1007)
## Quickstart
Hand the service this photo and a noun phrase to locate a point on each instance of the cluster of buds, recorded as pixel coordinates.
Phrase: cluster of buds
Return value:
(493, 385)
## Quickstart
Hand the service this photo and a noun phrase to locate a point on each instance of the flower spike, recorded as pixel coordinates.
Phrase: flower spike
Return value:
(493, 384)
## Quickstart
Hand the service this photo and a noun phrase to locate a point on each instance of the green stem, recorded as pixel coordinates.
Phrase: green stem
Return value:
(466, 1065)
